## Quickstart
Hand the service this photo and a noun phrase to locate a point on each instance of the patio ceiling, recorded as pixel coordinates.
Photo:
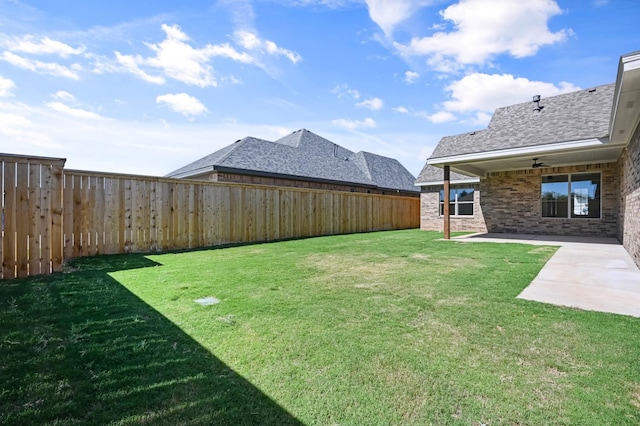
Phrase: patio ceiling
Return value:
(596, 153)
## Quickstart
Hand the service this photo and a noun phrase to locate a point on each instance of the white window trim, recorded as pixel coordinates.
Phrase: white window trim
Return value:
(456, 203)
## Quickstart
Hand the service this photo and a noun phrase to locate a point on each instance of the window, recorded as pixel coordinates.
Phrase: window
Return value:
(460, 202)
(574, 196)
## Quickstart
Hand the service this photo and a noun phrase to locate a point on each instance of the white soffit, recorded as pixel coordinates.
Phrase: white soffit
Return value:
(516, 152)
(586, 154)
(452, 182)
(626, 103)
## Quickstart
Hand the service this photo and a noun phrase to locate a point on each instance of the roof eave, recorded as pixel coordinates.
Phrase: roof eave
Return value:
(625, 115)
(452, 182)
(289, 177)
(519, 151)
(190, 173)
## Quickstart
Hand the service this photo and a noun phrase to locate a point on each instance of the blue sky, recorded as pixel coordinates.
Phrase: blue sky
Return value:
(147, 86)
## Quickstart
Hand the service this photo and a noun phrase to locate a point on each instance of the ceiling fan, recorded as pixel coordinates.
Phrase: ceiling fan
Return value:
(536, 165)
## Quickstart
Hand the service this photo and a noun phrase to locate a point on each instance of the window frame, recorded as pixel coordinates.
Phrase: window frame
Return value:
(455, 204)
(570, 215)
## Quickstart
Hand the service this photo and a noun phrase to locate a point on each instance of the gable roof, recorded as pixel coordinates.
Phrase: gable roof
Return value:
(307, 156)
(580, 115)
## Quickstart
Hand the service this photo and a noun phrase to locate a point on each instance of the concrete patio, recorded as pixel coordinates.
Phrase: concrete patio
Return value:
(594, 274)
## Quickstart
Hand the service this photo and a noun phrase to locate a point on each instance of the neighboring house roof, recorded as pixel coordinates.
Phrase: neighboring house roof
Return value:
(435, 175)
(306, 156)
(584, 114)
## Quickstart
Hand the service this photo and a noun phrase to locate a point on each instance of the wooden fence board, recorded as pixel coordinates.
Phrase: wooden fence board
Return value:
(67, 217)
(44, 218)
(10, 211)
(57, 212)
(22, 219)
(33, 213)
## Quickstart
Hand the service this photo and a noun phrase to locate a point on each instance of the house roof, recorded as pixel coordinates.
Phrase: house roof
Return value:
(435, 175)
(571, 128)
(584, 114)
(307, 156)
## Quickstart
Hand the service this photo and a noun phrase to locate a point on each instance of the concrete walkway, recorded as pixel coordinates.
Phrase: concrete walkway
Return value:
(595, 274)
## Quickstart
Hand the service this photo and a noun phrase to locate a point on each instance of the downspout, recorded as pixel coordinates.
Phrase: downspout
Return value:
(447, 222)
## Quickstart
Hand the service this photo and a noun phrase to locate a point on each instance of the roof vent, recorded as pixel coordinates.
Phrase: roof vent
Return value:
(592, 90)
(536, 99)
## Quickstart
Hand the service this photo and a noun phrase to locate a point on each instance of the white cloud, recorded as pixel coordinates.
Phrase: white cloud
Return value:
(182, 103)
(425, 152)
(354, 124)
(6, 86)
(178, 60)
(130, 64)
(12, 120)
(73, 112)
(343, 90)
(485, 28)
(486, 92)
(481, 119)
(401, 110)
(50, 68)
(63, 96)
(389, 13)
(439, 117)
(29, 44)
(250, 41)
(17, 130)
(411, 77)
(374, 104)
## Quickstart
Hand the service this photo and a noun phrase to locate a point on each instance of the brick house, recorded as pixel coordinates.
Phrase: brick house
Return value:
(305, 160)
(563, 165)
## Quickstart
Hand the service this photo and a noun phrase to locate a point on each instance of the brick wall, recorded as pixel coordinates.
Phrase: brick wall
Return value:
(511, 203)
(430, 219)
(630, 197)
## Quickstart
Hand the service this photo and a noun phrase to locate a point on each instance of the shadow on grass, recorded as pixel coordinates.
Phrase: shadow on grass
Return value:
(80, 348)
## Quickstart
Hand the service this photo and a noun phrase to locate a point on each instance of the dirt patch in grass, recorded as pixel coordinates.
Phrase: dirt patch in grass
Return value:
(368, 272)
(420, 256)
(454, 301)
(635, 396)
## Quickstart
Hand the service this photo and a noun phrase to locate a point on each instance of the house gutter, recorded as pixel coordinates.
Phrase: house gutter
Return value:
(520, 151)
(452, 182)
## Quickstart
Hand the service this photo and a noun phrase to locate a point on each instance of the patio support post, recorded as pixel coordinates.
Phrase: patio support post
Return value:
(447, 224)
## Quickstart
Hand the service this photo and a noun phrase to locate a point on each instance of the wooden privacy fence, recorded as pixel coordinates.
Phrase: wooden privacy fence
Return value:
(77, 213)
(31, 236)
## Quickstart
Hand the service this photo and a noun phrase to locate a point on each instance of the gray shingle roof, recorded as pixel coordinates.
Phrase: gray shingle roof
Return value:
(301, 155)
(572, 116)
(431, 173)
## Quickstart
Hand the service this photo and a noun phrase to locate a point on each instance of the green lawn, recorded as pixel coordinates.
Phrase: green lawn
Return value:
(367, 329)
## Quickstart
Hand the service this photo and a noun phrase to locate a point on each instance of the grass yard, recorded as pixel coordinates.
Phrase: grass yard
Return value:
(367, 329)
